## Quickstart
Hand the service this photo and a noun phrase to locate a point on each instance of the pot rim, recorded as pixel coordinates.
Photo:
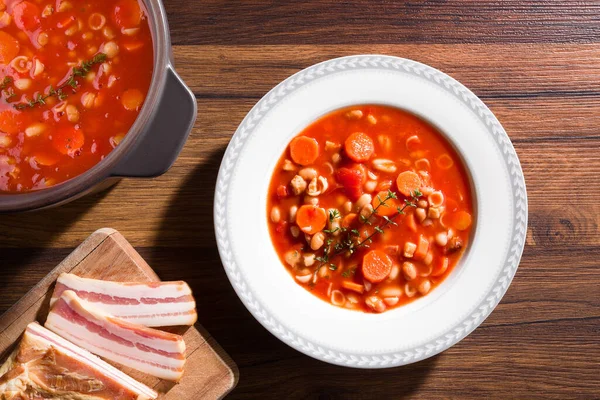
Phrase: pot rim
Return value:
(83, 183)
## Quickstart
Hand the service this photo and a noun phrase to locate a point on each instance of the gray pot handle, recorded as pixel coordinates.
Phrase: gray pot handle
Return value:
(164, 137)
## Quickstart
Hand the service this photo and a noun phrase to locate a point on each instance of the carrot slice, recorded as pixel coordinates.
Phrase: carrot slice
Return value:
(311, 219)
(359, 147)
(9, 48)
(128, 14)
(461, 220)
(348, 220)
(408, 182)
(46, 158)
(67, 140)
(376, 266)
(389, 208)
(26, 16)
(132, 99)
(304, 150)
(353, 286)
(10, 121)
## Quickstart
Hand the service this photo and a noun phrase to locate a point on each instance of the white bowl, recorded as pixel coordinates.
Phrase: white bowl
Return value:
(426, 326)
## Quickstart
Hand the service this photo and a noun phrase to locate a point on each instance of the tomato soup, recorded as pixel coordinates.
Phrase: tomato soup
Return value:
(370, 208)
(74, 75)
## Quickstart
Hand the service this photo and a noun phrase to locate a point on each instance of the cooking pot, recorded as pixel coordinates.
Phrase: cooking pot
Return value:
(151, 145)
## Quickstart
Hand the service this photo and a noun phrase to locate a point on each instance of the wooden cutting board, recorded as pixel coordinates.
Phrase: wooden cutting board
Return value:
(209, 372)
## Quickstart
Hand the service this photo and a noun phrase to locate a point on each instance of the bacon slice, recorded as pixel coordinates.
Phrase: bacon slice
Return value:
(152, 351)
(149, 304)
(46, 366)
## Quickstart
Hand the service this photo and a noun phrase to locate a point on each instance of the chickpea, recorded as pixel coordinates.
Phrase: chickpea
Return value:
(111, 49)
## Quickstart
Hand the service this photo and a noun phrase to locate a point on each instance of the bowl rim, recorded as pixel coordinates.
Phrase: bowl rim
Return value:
(85, 182)
(516, 243)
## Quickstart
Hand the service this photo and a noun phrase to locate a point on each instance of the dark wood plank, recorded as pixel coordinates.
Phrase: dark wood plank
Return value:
(535, 63)
(544, 330)
(422, 21)
(508, 70)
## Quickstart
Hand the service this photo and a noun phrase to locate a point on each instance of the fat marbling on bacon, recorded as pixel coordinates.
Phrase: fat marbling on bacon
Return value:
(155, 352)
(46, 366)
(145, 303)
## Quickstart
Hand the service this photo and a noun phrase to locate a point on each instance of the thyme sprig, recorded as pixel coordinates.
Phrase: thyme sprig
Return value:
(351, 243)
(8, 93)
(71, 82)
(5, 82)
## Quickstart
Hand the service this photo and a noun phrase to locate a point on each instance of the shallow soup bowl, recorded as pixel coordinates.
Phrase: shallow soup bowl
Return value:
(428, 325)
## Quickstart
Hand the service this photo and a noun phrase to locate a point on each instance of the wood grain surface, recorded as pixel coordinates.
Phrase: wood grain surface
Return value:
(536, 64)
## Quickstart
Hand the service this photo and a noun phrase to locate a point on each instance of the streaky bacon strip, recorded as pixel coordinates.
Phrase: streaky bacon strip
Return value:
(46, 363)
(145, 303)
(152, 351)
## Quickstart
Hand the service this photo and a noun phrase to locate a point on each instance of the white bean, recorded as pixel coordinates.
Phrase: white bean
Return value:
(409, 270)
(424, 287)
(293, 211)
(354, 114)
(391, 291)
(383, 165)
(394, 272)
(421, 214)
(317, 241)
(391, 301)
(347, 207)
(35, 129)
(292, 257)
(22, 84)
(441, 239)
(275, 214)
(295, 231)
(363, 201)
(370, 186)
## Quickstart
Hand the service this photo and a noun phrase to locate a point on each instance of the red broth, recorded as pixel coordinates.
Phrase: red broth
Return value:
(370, 208)
(99, 54)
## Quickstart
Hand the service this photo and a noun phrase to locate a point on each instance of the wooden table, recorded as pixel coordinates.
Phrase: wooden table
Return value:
(537, 66)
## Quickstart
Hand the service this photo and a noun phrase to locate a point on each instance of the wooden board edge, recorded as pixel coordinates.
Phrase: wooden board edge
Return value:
(72, 260)
(234, 372)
